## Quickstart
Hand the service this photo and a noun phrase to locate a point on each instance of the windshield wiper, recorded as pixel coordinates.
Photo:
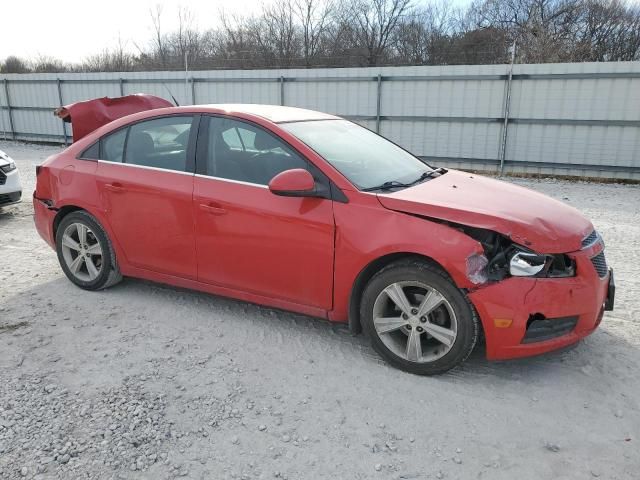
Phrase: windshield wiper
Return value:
(387, 186)
(429, 174)
(395, 184)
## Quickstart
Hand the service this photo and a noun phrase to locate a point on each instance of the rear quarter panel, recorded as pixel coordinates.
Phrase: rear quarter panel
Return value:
(69, 182)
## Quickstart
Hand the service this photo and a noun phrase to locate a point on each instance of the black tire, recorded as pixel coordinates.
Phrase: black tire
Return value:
(109, 273)
(431, 275)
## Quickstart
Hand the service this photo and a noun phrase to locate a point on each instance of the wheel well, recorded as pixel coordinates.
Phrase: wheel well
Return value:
(365, 275)
(63, 212)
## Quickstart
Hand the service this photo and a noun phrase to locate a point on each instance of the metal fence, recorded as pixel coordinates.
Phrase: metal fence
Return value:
(572, 119)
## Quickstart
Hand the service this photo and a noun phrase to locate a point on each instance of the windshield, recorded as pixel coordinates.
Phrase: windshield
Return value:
(365, 158)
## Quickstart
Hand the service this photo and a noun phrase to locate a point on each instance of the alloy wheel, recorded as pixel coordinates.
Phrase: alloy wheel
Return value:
(415, 321)
(82, 252)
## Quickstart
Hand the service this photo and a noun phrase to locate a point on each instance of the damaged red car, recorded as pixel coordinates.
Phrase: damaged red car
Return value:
(308, 212)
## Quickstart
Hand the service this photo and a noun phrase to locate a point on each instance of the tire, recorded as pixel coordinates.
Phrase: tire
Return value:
(74, 255)
(436, 306)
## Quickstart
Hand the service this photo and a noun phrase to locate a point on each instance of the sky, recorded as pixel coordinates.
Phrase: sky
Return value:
(71, 30)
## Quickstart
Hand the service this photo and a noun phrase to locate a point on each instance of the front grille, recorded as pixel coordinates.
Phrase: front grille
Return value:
(3, 178)
(600, 264)
(590, 239)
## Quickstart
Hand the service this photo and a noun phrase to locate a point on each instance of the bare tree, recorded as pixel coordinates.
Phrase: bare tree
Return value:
(276, 34)
(48, 64)
(544, 29)
(158, 41)
(288, 33)
(424, 37)
(117, 59)
(373, 23)
(314, 17)
(237, 43)
(13, 64)
(609, 30)
(186, 43)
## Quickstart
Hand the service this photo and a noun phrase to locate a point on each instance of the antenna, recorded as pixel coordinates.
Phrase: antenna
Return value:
(171, 95)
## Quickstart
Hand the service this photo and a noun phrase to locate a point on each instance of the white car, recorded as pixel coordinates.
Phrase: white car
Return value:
(10, 186)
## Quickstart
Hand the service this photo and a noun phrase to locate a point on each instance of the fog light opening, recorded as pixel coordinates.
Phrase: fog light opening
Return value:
(533, 317)
(540, 328)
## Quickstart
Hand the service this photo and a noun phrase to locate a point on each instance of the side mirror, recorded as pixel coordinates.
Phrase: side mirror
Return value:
(296, 182)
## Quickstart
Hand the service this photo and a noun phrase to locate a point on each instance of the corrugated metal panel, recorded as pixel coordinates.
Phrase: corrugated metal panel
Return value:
(77, 92)
(237, 92)
(338, 98)
(29, 121)
(445, 139)
(564, 118)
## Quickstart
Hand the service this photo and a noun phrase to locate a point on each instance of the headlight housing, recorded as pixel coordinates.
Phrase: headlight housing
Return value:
(8, 168)
(503, 258)
(524, 263)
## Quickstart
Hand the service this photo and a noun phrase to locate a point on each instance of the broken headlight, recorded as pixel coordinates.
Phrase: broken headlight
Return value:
(524, 263)
(503, 258)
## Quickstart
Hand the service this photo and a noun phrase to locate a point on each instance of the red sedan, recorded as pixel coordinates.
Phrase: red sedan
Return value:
(308, 212)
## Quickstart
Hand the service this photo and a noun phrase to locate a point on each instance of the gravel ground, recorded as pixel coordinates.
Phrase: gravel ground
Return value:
(148, 381)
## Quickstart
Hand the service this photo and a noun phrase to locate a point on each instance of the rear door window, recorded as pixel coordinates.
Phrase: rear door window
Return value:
(112, 146)
(159, 143)
(91, 153)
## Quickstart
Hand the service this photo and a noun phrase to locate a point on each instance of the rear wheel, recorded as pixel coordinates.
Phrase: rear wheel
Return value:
(85, 252)
(417, 319)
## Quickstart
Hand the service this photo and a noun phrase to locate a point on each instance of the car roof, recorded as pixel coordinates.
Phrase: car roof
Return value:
(273, 113)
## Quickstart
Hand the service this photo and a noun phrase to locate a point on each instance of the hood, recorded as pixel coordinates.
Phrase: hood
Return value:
(85, 117)
(529, 218)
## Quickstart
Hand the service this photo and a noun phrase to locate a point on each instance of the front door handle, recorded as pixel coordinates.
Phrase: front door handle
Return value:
(212, 210)
(115, 187)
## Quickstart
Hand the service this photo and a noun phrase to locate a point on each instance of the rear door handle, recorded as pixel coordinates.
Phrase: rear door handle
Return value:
(115, 187)
(212, 210)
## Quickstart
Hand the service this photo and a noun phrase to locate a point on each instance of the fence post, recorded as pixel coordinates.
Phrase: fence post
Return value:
(121, 81)
(4, 131)
(64, 128)
(507, 107)
(379, 94)
(281, 90)
(193, 91)
(6, 94)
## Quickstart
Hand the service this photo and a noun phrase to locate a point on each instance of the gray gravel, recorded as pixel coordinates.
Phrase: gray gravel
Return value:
(152, 382)
(46, 427)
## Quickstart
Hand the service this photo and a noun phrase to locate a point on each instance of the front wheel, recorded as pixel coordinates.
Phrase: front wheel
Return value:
(417, 319)
(85, 252)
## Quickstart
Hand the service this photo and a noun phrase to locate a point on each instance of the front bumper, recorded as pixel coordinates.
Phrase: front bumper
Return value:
(10, 198)
(10, 188)
(515, 312)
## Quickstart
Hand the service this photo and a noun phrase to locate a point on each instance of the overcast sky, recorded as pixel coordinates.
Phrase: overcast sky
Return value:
(73, 29)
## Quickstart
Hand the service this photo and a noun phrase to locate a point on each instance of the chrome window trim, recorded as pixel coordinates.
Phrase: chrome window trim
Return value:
(146, 167)
(239, 182)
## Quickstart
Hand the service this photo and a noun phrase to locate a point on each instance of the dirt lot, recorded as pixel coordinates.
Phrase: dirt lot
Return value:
(148, 381)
